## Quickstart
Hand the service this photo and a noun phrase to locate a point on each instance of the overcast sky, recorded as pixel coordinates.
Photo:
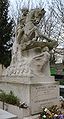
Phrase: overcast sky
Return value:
(34, 2)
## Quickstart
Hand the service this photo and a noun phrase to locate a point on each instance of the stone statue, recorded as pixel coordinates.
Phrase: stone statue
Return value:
(28, 75)
(28, 33)
(29, 56)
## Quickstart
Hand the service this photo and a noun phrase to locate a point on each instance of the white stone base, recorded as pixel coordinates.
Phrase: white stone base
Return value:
(43, 95)
(36, 94)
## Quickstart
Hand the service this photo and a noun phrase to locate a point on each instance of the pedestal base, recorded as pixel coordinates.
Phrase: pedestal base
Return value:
(35, 94)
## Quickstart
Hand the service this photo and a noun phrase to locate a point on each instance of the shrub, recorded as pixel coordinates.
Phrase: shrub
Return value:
(9, 98)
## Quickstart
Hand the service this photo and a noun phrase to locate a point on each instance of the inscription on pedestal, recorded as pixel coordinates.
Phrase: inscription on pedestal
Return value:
(42, 96)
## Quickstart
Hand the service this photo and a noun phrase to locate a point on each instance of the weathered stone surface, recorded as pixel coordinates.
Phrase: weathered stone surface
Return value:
(30, 66)
(36, 94)
(28, 75)
(28, 57)
(43, 95)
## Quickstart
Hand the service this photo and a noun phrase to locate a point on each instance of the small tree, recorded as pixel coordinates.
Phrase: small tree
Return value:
(5, 33)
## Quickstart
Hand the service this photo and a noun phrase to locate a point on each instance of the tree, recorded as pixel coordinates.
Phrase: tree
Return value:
(6, 25)
(57, 6)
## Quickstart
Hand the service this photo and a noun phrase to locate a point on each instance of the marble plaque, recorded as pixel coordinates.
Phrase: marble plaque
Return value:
(43, 95)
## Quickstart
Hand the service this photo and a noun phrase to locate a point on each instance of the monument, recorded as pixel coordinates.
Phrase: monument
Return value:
(28, 75)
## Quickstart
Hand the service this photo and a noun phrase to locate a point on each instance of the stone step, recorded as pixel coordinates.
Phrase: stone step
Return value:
(32, 117)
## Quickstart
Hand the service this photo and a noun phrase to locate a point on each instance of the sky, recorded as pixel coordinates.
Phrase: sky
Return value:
(34, 2)
(13, 1)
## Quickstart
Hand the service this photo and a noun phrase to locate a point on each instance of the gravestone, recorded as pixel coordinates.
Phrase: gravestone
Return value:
(7, 115)
(28, 75)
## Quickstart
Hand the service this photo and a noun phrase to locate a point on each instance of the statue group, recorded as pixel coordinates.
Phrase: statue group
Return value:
(29, 47)
(28, 75)
(28, 33)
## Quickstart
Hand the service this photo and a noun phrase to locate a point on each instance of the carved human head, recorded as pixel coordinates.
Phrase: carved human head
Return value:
(38, 15)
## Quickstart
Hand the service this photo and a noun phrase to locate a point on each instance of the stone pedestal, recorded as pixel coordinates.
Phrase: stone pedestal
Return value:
(29, 78)
(43, 95)
(36, 94)
(28, 75)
